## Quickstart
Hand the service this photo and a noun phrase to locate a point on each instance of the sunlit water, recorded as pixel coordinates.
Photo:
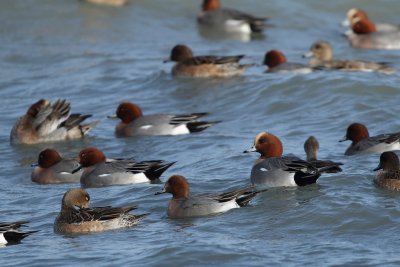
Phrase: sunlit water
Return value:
(95, 57)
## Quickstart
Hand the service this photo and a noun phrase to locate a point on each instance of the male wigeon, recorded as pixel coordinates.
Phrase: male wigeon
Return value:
(11, 234)
(274, 170)
(362, 143)
(133, 122)
(311, 147)
(46, 122)
(184, 205)
(97, 171)
(364, 34)
(53, 169)
(276, 62)
(107, 2)
(321, 54)
(229, 20)
(389, 175)
(355, 13)
(204, 66)
(77, 217)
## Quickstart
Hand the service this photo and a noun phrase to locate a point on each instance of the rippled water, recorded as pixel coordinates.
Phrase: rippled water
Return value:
(98, 56)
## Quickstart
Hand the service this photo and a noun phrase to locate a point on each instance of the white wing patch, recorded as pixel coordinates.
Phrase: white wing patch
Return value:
(104, 175)
(263, 169)
(145, 127)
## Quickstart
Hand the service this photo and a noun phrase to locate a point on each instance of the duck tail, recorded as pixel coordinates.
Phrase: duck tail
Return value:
(198, 126)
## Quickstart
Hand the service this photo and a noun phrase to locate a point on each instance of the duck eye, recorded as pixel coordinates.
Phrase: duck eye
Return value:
(317, 46)
(262, 141)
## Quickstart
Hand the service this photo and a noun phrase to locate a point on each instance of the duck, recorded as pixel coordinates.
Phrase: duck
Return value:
(364, 34)
(47, 122)
(273, 169)
(311, 147)
(207, 66)
(10, 232)
(228, 20)
(107, 2)
(388, 171)
(321, 54)
(99, 171)
(356, 13)
(186, 205)
(53, 169)
(134, 123)
(362, 143)
(77, 217)
(276, 62)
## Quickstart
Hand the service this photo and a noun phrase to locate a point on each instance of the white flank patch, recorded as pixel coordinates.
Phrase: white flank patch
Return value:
(65, 173)
(104, 175)
(180, 129)
(2, 239)
(139, 178)
(237, 26)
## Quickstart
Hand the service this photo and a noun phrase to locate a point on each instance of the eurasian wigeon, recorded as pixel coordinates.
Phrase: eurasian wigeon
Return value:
(11, 234)
(184, 205)
(276, 62)
(107, 2)
(363, 34)
(229, 20)
(311, 147)
(321, 54)
(274, 170)
(77, 217)
(133, 122)
(204, 66)
(46, 122)
(97, 171)
(389, 175)
(355, 13)
(51, 168)
(362, 143)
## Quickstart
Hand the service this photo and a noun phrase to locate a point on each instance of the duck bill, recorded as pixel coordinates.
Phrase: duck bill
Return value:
(308, 54)
(167, 60)
(345, 23)
(77, 169)
(36, 164)
(378, 168)
(343, 139)
(160, 192)
(252, 149)
(112, 116)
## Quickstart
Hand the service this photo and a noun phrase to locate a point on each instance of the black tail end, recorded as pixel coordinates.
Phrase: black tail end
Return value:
(157, 170)
(302, 179)
(244, 199)
(198, 126)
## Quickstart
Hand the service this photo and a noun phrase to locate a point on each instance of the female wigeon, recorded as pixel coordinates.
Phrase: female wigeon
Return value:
(229, 20)
(108, 2)
(11, 234)
(362, 143)
(53, 169)
(355, 13)
(184, 205)
(133, 122)
(77, 217)
(389, 176)
(274, 170)
(46, 122)
(364, 34)
(311, 147)
(321, 54)
(97, 171)
(276, 62)
(204, 66)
